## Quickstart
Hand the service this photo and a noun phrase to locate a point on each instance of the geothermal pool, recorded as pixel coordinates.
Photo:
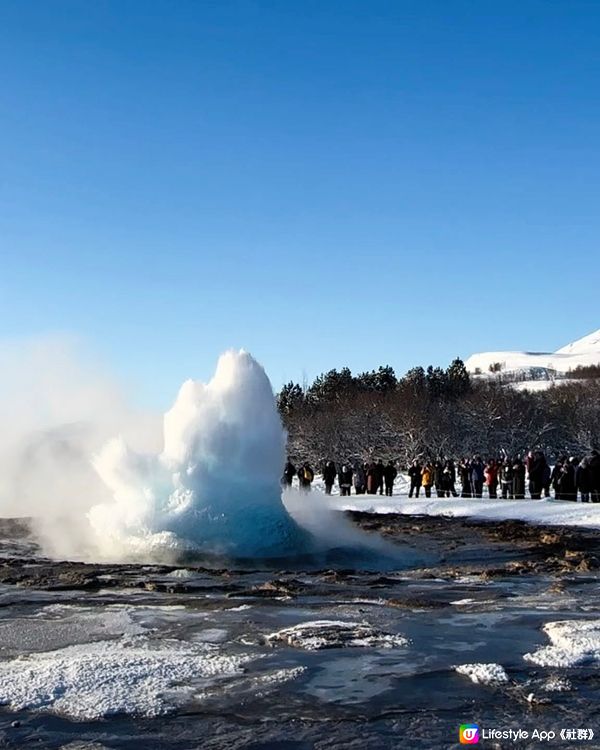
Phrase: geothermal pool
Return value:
(131, 655)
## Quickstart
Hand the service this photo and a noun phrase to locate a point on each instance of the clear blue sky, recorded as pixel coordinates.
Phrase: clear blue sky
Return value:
(322, 183)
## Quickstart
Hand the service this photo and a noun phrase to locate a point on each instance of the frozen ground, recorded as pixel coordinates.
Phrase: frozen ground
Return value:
(534, 511)
(500, 627)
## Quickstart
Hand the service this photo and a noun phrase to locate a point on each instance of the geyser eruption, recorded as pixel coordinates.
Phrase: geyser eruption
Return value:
(214, 488)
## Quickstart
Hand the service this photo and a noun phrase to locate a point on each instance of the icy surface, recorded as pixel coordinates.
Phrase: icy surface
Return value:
(556, 684)
(484, 674)
(573, 643)
(56, 626)
(535, 511)
(320, 634)
(130, 676)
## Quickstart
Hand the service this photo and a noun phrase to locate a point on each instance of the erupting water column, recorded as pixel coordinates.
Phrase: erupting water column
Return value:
(215, 487)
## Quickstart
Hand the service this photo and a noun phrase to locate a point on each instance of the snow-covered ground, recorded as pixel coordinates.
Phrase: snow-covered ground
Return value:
(573, 643)
(583, 352)
(534, 511)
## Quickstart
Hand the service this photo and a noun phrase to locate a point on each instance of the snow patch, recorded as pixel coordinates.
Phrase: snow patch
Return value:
(556, 684)
(129, 676)
(573, 643)
(534, 511)
(483, 674)
(320, 634)
(181, 573)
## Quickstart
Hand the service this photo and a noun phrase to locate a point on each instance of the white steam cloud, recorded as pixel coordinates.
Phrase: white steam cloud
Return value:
(102, 482)
(215, 485)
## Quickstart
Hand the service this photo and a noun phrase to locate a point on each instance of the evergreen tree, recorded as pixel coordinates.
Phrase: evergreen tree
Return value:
(437, 382)
(416, 379)
(290, 397)
(459, 381)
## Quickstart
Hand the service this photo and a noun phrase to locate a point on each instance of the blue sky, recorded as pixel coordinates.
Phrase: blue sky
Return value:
(322, 183)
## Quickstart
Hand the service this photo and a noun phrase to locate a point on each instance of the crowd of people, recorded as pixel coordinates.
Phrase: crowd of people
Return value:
(510, 478)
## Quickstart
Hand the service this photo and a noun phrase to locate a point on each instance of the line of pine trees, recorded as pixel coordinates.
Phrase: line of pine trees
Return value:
(434, 412)
(453, 382)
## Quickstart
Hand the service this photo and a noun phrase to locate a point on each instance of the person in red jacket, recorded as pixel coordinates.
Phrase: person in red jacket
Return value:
(491, 478)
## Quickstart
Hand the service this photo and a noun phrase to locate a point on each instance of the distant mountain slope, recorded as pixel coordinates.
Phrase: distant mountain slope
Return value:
(585, 351)
(590, 343)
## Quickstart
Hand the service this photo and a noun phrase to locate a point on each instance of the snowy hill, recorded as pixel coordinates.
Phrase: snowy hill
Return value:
(583, 352)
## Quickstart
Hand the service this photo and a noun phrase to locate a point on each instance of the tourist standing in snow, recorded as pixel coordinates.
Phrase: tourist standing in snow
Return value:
(380, 474)
(506, 479)
(360, 479)
(518, 479)
(438, 478)
(594, 467)
(477, 477)
(389, 474)
(547, 479)
(414, 472)
(427, 479)
(464, 470)
(289, 472)
(329, 474)
(449, 479)
(345, 479)
(305, 476)
(491, 478)
(536, 463)
(583, 482)
(555, 476)
(566, 481)
(372, 479)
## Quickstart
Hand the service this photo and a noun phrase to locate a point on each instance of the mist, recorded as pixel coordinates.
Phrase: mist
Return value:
(58, 406)
(104, 482)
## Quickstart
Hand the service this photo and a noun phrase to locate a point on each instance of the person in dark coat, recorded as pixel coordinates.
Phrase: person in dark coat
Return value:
(289, 472)
(536, 464)
(305, 476)
(594, 467)
(389, 474)
(464, 470)
(329, 474)
(380, 475)
(449, 479)
(345, 479)
(566, 481)
(372, 479)
(555, 475)
(583, 482)
(438, 478)
(506, 480)
(477, 477)
(547, 479)
(518, 479)
(360, 479)
(414, 472)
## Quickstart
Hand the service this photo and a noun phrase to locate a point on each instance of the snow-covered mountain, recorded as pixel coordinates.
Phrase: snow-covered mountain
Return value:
(585, 351)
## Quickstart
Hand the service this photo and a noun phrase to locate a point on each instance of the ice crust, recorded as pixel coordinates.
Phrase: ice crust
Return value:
(129, 676)
(572, 644)
(483, 674)
(320, 634)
